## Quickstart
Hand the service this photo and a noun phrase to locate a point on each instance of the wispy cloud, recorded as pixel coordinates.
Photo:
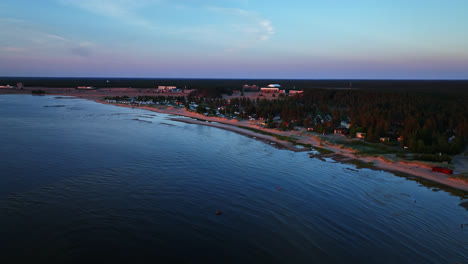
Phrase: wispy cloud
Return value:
(251, 27)
(12, 49)
(23, 37)
(124, 10)
(238, 28)
(59, 38)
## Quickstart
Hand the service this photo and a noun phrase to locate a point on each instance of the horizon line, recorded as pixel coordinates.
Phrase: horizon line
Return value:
(241, 78)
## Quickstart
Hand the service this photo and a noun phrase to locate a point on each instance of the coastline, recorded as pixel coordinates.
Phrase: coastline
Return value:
(342, 155)
(408, 169)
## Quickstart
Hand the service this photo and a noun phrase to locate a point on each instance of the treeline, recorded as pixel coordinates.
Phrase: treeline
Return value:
(424, 123)
(213, 87)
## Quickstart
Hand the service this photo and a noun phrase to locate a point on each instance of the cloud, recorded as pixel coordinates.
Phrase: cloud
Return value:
(12, 49)
(52, 36)
(267, 31)
(23, 37)
(124, 10)
(250, 26)
(237, 28)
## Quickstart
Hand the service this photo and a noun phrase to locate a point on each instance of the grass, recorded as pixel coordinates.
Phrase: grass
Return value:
(303, 145)
(366, 148)
(280, 137)
(361, 164)
(323, 151)
(462, 177)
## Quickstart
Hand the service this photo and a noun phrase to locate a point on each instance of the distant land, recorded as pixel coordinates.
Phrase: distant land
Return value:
(432, 86)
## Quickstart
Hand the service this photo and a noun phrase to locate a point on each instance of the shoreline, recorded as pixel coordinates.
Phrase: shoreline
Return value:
(409, 169)
(342, 155)
(279, 144)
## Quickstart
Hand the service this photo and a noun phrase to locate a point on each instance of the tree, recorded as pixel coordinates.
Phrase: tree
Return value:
(283, 126)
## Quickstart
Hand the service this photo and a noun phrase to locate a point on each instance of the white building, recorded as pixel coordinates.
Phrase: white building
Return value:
(274, 86)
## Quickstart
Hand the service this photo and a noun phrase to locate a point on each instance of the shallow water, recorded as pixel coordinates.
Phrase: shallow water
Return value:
(87, 181)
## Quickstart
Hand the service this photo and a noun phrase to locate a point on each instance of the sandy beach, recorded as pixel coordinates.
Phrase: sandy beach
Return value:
(340, 154)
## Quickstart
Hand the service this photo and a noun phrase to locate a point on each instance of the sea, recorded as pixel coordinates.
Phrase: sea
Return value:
(86, 182)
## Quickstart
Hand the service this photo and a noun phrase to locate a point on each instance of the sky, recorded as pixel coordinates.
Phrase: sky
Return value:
(294, 39)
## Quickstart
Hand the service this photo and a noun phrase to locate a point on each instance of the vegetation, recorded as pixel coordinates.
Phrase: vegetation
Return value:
(434, 127)
(461, 177)
(323, 151)
(280, 137)
(38, 92)
(361, 164)
(367, 148)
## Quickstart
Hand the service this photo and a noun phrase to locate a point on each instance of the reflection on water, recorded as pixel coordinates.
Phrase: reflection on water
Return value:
(87, 182)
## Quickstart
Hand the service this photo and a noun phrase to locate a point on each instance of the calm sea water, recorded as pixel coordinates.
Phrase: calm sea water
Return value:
(82, 181)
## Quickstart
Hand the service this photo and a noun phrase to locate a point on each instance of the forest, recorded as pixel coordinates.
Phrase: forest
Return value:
(424, 123)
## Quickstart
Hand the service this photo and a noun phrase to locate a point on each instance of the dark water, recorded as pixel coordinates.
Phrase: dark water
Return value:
(85, 182)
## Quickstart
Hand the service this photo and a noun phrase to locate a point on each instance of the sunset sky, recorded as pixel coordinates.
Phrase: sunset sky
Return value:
(358, 39)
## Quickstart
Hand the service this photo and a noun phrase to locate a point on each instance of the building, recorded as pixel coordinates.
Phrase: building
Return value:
(345, 124)
(6, 87)
(294, 92)
(451, 139)
(384, 139)
(340, 131)
(274, 86)
(163, 88)
(360, 135)
(269, 90)
(85, 88)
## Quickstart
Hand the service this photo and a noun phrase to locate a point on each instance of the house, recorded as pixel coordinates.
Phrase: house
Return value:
(451, 139)
(442, 170)
(340, 131)
(6, 87)
(345, 124)
(384, 139)
(360, 135)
